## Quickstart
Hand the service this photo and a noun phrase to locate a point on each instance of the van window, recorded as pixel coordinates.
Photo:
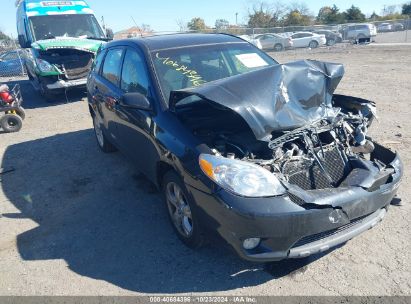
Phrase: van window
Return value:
(112, 65)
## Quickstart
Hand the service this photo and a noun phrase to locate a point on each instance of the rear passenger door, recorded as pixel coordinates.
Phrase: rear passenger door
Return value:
(107, 90)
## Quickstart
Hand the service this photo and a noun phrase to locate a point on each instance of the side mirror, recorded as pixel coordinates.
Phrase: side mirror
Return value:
(23, 42)
(109, 34)
(137, 101)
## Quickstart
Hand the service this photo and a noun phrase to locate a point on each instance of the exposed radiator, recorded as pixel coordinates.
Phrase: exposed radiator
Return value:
(307, 174)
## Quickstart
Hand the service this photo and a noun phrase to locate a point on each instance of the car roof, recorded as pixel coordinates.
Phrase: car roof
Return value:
(171, 41)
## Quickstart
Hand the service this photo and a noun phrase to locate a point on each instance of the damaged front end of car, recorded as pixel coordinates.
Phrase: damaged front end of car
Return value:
(336, 180)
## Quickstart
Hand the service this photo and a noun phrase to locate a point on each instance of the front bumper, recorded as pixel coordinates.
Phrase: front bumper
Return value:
(288, 230)
(65, 84)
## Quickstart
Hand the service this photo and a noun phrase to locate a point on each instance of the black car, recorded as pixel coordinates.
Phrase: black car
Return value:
(261, 153)
(331, 37)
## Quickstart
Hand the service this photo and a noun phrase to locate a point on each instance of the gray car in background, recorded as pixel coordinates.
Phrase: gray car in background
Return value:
(360, 31)
(274, 42)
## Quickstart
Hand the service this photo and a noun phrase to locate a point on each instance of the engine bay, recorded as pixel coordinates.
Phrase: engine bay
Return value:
(329, 153)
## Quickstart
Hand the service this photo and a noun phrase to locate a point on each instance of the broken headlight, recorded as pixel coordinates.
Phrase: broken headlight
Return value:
(240, 177)
(44, 66)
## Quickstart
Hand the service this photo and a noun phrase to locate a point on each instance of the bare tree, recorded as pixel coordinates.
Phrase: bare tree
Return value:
(182, 25)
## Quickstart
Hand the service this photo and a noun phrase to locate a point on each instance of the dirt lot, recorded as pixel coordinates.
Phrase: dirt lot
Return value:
(74, 221)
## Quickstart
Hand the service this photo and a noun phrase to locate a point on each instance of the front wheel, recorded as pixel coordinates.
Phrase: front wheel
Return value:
(11, 123)
(313, 44)
(181, 212)
(102, 141)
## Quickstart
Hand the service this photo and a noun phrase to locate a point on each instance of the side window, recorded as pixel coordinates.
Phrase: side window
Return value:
(98, 61)
(112, 66)
(134, 78)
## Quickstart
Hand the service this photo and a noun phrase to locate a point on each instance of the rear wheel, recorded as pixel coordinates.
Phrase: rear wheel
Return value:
(102, 141)
(331, 42)
(313, 44)
(278, 47)
(11, 123)
(181, 212)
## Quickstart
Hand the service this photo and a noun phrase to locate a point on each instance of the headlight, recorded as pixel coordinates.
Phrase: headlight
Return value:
(44, 66)
(240, 177)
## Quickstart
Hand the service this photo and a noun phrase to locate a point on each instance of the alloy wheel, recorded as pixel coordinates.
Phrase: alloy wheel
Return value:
(179, 209)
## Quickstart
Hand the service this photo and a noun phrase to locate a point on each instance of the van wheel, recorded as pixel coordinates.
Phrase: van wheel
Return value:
(278, 47)
(102, 141)
(181, 212)
(11, 123)
(313, 44)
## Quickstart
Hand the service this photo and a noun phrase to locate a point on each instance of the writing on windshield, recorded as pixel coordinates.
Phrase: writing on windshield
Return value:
(192, 75)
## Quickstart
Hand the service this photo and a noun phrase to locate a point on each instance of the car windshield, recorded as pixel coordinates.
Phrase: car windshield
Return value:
(78, 26)
(193, 66)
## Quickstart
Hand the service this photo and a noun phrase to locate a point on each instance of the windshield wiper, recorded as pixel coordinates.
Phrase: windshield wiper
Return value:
(99, 38)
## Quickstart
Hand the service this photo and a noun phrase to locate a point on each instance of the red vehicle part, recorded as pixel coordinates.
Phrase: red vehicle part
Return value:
(6, 97)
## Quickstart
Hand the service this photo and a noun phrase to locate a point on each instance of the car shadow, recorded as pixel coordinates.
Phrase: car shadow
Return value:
(94, 212)
(33, 100)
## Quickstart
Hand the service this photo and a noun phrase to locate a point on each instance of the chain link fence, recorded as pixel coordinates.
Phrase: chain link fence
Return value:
(387, 31)
(12, 65)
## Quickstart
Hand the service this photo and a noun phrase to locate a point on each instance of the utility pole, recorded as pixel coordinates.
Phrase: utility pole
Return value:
(236, 18)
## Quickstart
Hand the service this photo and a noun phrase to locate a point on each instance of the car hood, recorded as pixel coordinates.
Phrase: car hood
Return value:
(87, 45)
(277, 98)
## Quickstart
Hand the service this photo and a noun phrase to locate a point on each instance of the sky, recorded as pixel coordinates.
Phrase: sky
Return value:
(162, 15)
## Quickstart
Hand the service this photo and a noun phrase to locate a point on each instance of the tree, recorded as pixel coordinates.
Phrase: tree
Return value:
(182, 25)
(354, 14)
(221, 24)
(330, 15)
(3, 36)
(406, 8)
(374, 16)
(263, 15)
(197, 24)
(296, 18)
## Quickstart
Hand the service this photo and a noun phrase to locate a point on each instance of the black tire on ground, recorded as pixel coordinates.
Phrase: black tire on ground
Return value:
(21, 112)
(331, 42)
(11, 123)
(183, 219)
(313, 44)
(102, 141)
(278, 47)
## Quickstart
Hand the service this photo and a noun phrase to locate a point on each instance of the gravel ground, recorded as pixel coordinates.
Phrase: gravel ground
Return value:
(74, 221)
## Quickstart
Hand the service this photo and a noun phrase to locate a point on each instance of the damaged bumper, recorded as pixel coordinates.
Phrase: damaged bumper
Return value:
(290, 230)
(65, 84)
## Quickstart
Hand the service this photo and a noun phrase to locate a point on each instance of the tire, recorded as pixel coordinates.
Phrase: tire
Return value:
(278, 47)
(181, 211)
(102, 140)
(21, 112)
(331, 42)
(313, 44)
(11, 123)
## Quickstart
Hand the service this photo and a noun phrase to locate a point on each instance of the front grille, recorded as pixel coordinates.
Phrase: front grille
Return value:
(308, 175)
(319, 236)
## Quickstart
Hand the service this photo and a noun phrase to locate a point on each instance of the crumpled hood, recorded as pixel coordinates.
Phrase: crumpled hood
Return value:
(87, 45)
(277, 98)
